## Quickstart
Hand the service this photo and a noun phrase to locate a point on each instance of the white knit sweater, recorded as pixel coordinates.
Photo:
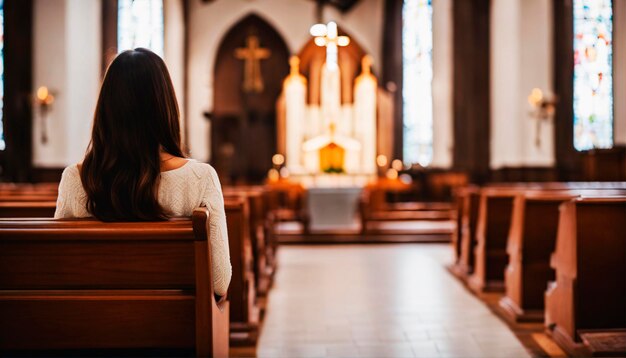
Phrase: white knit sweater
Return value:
(181, 190)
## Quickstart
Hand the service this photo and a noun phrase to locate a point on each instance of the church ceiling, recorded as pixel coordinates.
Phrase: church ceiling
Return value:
(343, 5)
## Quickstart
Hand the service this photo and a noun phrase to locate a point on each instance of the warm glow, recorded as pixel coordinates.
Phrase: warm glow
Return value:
(49, 99)
(381, 160)
(278, 159)
(284, 172)
(406, 179)
(343, 41)
(331, 30)
(318, 30)
(392, 174)
(535, 98)
(320, 41)
(397, 165)
(331, 41)
(273, 175)
(332, 158)
(42, 93)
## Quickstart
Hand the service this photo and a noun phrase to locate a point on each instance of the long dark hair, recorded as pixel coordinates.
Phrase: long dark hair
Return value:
(136, 116)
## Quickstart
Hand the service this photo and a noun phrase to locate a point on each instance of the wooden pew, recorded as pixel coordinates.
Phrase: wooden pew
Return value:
(27, 200)
(492, 231)
(464, 239)
(589, 292)
(286, 201)
(27, 209)
(494, 219)
(244, 313)
(28, 192)
(86, 285)
(30, 187)
(532, 239)
(374, 207)
(263, 271)
(271, 241)
(27, 197)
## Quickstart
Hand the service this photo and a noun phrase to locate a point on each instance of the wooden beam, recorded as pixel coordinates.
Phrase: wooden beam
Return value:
(109, 33)
(16, 159)
(471, 87)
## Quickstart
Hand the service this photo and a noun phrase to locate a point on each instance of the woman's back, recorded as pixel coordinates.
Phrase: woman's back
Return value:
(181, 190)
(134, 168)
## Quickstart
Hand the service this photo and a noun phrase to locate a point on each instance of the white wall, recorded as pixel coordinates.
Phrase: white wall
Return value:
(443, 142)
(67, 55)
(50, 70)
(67, 52)
(619, 67)
(521, 59)
(174, 49)
(291, 18)
(67, 49)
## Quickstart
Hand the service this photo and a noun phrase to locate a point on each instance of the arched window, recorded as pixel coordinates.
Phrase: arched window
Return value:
(593, 74)
(140, 24)
(417, 99)
(2, 144)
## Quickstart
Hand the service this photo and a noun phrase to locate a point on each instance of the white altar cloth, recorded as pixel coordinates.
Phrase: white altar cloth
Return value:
(333, 209)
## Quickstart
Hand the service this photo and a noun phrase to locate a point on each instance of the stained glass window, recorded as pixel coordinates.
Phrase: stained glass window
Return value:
(593, 74)
(2, 144)
(140, 24)
(417, 46)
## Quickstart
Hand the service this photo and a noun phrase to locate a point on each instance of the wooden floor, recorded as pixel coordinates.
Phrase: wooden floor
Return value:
(377, 301)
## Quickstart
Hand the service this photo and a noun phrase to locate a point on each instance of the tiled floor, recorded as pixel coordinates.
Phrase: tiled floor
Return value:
(377, 301)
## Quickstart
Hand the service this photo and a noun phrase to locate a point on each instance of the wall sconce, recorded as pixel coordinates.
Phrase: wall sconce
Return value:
(397, 165)
(278, 170)
(543, 108)
(273, 175)
(392, 174)
(44, 101)
(278, 160)
(381, 162)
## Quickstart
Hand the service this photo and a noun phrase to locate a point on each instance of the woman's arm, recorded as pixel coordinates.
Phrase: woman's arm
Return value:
(220, 254)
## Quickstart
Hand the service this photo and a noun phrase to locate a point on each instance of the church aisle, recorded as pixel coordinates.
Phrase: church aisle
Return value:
(377, 301)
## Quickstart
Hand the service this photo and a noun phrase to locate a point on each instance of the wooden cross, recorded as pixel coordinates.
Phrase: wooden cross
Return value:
(252, 54)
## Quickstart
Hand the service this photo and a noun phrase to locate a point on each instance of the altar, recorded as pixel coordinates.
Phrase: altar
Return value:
(333, 209)
(333, 202)
(333, 122)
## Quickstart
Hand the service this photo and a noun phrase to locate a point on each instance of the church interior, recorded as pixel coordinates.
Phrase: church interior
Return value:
(401, 178)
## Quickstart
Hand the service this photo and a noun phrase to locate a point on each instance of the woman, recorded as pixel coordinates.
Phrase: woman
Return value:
(134, 169)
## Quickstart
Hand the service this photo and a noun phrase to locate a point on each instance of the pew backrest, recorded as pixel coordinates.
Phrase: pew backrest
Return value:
(27, 209)
(591, 252)
(242, 286)
(85, 284)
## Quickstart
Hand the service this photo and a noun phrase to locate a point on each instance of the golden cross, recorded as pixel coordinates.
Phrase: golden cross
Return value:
(252, 54)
